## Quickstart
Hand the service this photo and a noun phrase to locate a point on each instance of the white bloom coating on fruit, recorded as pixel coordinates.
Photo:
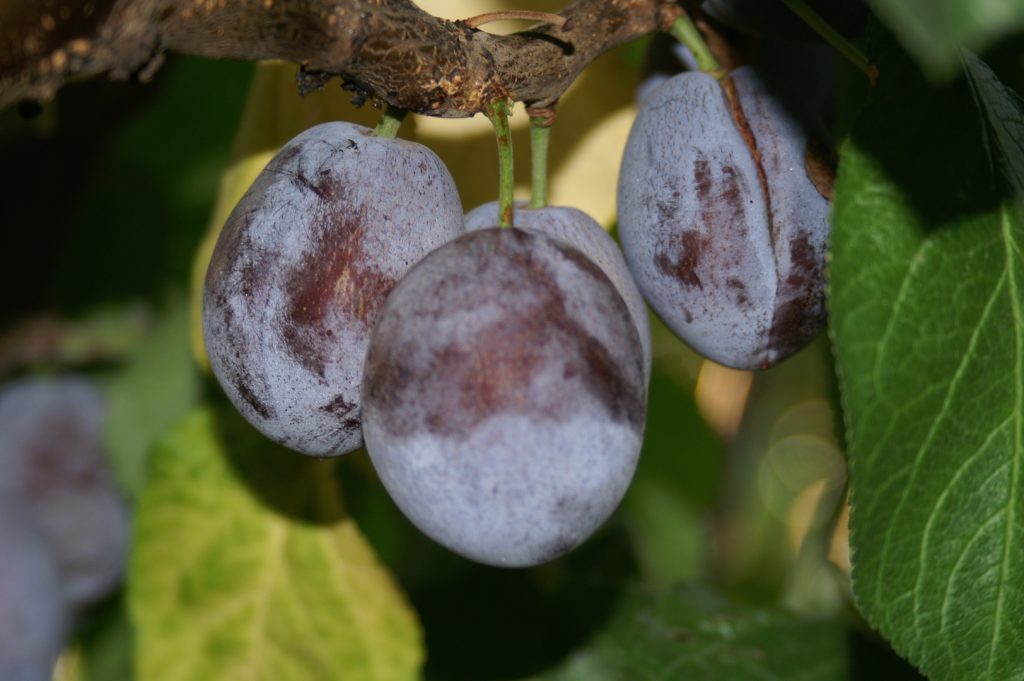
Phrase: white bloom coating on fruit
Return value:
(505, 397)
(580, 231)
(721, 225)
(52, 460)
(33, 612)
(302, 266)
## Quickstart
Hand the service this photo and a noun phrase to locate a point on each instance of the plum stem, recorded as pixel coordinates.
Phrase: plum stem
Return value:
(685, 31)
(498, 113)
(817, 543)
(834, 38)
(390, 122)
(540, 133)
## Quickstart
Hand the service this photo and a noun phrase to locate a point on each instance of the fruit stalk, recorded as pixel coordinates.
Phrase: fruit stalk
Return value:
(540, 133)
(390, 122)
(685, 31)
(498, 113)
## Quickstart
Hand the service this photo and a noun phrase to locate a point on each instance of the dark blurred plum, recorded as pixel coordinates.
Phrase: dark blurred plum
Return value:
(52, 459)
(33, 611)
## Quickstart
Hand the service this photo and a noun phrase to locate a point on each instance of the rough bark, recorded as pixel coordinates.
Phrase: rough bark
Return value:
(389, 48)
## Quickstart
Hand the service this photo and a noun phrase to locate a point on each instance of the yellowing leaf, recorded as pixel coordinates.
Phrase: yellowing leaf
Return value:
(245, 567)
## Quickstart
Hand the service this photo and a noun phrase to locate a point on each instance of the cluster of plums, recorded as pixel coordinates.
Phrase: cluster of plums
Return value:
(499, 375)
(64, 529)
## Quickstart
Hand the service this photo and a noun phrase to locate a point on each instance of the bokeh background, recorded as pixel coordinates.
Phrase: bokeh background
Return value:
(111, 201)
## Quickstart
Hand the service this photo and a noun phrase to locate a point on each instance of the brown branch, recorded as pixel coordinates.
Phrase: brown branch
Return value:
(389, 48)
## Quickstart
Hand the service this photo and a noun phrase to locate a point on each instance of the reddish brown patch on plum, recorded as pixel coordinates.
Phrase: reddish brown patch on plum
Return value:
(493, 371)
(697, 256)
(739, 118)
(241, 382)
(805, 259)
(668, 211)
(821, 162)
(336, 277)
(739, 290)
(690, 256)
(345, 411)
(800, 311)
(722, 204)
(55, 456)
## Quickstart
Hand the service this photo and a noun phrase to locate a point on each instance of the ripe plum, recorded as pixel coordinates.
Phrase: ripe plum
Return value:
(301, 268)
(504, 396)
(580, 231)
(723, 214)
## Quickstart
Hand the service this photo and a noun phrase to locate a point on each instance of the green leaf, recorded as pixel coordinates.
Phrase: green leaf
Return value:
(156, 389)
(927, 283)
(246, 567)
(687, 632)
(146, 197)
(106, 643)
(935, 30)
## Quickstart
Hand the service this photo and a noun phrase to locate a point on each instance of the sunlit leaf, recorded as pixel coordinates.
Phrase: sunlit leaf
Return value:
(245, 566)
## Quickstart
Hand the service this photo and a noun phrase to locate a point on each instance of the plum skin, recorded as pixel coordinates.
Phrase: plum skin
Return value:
(723, 216)
(301, 268)
(580, 231)
(505, 396)
(52, 459)
(34, 615)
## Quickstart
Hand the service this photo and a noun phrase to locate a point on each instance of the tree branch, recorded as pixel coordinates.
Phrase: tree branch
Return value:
(389, 48)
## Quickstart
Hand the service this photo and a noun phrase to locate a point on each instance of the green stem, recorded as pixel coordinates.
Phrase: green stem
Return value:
(390, 122)
(539, 136)
(498, 113)
(834, 38)
(818, 543)
(684, 30)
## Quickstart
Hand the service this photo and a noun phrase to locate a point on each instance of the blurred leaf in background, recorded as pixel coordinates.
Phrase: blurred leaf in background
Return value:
(668, 507)
(786, 475)
(689, 632)
(246, 566)
(934, 31)
(147, 198)
(153, 392)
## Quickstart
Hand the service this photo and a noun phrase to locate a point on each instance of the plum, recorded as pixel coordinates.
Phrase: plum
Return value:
(33, 609)
(581, 231)
(504, 399)
(301, 268)
(52, 459)
(723, 206)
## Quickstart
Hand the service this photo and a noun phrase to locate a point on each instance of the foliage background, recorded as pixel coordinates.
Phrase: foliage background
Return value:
(729, 558)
